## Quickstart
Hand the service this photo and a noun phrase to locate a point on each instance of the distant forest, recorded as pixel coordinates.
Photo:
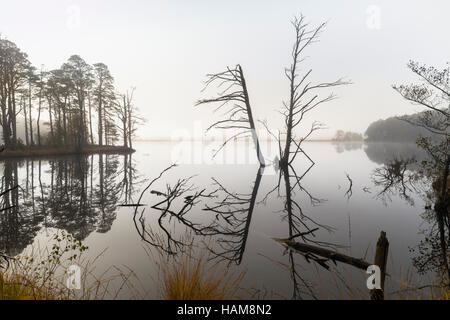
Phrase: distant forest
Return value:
(401, 129)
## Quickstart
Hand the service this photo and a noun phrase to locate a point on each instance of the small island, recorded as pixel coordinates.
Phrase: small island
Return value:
(74, 109)
(347, 136)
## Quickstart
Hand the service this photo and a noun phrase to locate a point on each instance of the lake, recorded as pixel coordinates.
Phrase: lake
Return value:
(235, 217)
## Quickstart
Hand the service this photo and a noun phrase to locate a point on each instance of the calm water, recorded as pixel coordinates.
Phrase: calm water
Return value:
(83, 196)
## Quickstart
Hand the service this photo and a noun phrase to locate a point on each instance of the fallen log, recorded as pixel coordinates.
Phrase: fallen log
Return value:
(304, 249)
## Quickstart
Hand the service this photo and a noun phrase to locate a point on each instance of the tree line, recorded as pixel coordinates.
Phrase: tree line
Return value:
(75, 105)
(401, 129)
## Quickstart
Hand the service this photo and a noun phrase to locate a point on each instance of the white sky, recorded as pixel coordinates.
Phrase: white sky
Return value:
(165, 48)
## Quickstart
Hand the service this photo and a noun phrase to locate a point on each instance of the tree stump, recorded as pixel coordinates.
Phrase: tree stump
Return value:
(381, 256)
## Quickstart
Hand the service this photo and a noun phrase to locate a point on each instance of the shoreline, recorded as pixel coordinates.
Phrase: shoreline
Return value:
(36, 152)
(240, 140)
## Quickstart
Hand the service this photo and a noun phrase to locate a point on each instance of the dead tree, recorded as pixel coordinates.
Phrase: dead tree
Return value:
(303, 94)
(235, 99)
(128, 116)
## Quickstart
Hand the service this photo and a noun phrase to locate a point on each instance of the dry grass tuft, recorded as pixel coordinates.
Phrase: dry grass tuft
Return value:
(192, 274)
(16, 287)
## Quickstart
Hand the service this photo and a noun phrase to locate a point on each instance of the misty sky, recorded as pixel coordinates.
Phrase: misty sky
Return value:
(165, 49)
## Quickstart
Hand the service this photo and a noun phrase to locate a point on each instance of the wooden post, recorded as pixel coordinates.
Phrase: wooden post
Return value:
(381, 256)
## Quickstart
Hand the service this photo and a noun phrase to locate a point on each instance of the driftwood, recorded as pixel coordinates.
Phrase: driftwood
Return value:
(307, 249)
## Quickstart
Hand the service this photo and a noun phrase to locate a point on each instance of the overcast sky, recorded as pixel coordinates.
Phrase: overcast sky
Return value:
(165, 49)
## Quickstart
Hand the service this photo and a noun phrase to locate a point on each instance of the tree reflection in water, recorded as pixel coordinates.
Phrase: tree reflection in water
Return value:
(77, 194)
(229, 219)
(406, 179)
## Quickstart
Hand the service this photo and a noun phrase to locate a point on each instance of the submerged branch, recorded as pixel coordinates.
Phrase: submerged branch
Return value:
(307, 250)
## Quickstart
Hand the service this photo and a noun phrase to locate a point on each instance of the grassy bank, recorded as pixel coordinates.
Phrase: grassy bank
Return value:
(38, 152)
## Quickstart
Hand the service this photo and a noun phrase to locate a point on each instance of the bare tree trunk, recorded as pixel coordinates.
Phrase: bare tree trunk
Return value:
(39, 111)
(26, 122)
(124, 122)
(250, 118)
(130, 123)
(30, 114)
(90, 120)
(100, 120)
(37, 122)
(59, 125)
(65, 121)
(240, 114)
(52, 135)
(5, 125)
(14, 118)
(83, 127)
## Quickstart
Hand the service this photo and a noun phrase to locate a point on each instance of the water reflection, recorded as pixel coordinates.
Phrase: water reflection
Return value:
(76, 194)
(382, 153)
(227, 217)
(347, 146)
(235, 211)
(298, 228)
(406, 177)
(18, 227)
(397, 178)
